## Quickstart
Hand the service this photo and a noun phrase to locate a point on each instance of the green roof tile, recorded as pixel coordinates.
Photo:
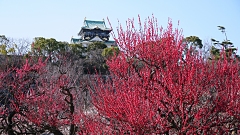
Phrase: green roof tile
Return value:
(89, 24)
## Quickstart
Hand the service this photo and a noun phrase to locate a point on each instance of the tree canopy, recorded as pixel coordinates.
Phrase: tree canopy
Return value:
(194, 41)
(4, 46)
(96, 45)
(225, 45)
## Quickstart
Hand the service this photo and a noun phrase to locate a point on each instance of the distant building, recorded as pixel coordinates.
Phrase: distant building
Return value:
(93, 31)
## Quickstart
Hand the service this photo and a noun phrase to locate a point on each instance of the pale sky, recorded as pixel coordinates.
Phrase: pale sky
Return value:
(62, 19)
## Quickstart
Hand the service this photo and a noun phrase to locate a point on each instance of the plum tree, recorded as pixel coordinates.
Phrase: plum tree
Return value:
(154, 88)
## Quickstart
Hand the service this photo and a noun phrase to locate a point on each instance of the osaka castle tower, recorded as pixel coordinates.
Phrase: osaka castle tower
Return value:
(93, 31)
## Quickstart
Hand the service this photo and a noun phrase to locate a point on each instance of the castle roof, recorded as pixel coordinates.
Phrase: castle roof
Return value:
(79, 40)
(89, 24)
